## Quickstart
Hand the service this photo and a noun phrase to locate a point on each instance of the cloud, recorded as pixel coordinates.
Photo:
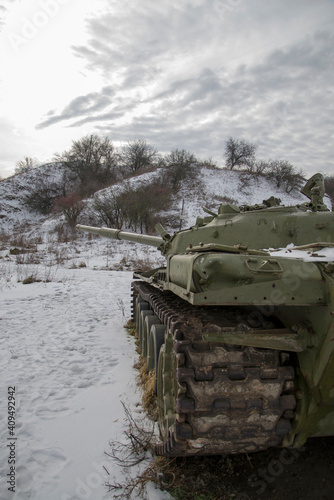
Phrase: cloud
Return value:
(142, 37)
(80, 106)
(190, 75)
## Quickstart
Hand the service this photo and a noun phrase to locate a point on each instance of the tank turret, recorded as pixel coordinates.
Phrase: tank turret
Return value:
(267, 225)
(238, 327)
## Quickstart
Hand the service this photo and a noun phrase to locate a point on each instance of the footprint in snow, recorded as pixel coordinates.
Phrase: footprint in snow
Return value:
(46, 413)
(49, 457)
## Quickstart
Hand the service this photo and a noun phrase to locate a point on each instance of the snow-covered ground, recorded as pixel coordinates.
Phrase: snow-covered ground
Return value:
(65, 351)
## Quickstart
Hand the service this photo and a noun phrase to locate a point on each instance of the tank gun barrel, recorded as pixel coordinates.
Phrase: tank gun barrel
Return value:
(117, 234)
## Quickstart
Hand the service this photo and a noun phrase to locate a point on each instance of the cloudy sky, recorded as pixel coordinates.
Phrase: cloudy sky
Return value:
(178, 73)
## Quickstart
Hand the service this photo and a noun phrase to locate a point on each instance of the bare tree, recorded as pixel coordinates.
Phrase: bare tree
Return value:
(110, 209)
(260, 167)
(181, 165)
(93, 161)
(284, 174)
(239, 153)
(25, 165)
(137, 155)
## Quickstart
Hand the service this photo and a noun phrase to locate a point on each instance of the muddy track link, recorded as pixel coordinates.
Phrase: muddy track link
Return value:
(216, 398)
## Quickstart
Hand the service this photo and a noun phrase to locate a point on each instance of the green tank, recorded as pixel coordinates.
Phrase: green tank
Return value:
(238, 327)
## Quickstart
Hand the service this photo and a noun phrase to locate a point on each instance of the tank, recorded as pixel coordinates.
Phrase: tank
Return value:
(238, 326)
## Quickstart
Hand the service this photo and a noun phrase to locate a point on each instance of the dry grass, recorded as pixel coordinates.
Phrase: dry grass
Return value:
(147, 382)
(137, 448)
(130, 326)
(199, 478)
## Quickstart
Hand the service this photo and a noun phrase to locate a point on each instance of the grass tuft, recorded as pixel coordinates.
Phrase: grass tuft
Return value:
(147, 383)
(30, 279)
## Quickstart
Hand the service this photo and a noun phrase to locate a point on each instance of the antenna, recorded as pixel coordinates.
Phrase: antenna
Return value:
(181, 214)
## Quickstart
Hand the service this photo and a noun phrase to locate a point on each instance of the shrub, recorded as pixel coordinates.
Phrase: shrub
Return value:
(71, 207)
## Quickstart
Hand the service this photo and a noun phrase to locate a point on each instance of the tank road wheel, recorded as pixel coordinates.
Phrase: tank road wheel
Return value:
(137, 307)
(147, 313)
(157, 339)
(148, 323)
(167, 388)
(142, 305)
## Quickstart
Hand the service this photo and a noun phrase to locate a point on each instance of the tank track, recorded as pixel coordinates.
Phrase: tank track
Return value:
(222, 399)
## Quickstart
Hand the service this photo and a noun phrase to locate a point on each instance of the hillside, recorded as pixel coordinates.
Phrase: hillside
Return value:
(212, 187)
(14, 213)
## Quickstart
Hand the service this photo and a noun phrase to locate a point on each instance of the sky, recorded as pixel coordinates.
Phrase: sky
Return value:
(178, 73)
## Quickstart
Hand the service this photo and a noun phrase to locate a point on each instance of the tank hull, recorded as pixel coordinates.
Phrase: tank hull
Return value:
(293, 320)
(239, 336)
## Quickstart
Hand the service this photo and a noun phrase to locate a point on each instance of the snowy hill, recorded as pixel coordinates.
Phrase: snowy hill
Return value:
(14, 213)
(212, 187)
(226, 186)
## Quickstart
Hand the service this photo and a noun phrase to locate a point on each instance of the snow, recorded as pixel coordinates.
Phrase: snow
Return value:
(317, 254)
(64, 348)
